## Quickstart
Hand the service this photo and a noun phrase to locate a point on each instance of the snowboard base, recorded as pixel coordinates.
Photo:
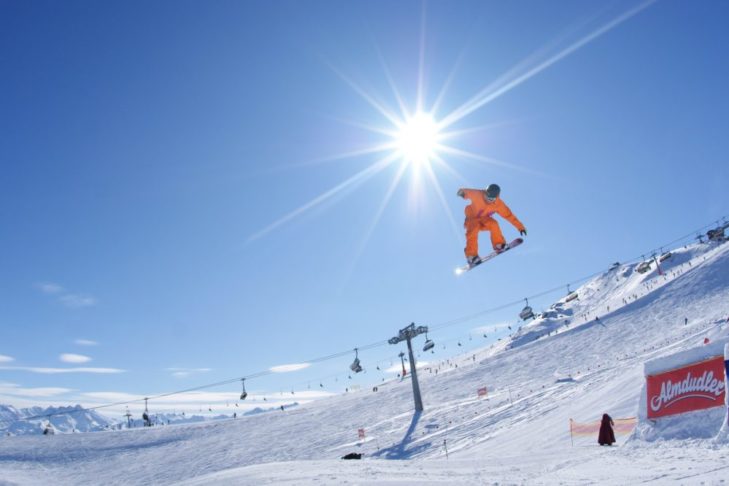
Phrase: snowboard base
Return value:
(485, 258)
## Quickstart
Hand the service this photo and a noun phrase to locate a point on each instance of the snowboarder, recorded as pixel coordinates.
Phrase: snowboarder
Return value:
(606, 435)
(484, 204)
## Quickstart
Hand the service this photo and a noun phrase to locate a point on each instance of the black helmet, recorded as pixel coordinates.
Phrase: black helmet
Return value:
(493, 191)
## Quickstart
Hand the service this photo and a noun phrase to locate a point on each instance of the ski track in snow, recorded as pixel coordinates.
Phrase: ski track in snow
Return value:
(518, 434)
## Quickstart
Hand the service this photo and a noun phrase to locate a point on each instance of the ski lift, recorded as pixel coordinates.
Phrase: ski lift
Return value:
(244, 393)
(355, 366)
(526, 312)
(665, 256)
(429, 344)
(570, 295)
(643, 267)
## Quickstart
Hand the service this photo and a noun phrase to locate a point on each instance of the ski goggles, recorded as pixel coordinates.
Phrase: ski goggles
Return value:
(491, 199)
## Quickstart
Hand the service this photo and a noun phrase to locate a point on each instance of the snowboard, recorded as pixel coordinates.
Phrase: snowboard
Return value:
(488, 257)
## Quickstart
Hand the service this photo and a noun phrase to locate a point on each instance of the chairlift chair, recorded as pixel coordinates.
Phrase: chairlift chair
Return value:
(429, 344)
(526, 312)
(570, 295)
(643, 267)
(355, 366)
(244, 393)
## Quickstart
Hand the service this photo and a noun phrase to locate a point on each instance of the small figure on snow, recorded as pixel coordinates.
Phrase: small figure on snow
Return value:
(606, 435)
(484, 204)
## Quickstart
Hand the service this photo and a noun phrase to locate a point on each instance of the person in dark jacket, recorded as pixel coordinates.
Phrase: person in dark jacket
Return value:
(606, 436)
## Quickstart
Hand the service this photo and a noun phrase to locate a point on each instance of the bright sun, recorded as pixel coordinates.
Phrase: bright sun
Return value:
(417, 138)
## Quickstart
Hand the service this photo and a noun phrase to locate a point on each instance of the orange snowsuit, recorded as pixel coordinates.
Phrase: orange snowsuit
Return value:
(478, 218)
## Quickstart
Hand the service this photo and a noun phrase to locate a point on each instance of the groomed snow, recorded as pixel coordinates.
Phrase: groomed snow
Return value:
(552, 371)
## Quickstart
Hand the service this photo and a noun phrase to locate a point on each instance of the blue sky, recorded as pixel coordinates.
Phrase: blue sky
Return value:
(150, 149)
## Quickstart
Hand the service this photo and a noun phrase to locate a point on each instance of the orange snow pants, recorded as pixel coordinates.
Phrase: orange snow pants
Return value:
(474, 226)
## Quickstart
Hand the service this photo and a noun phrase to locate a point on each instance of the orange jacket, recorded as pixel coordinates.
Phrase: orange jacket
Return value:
(480, 208)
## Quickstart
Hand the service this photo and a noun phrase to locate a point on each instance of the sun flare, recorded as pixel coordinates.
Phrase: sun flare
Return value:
(417, 139)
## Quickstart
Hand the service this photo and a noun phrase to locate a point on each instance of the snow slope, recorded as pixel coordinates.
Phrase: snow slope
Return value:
(550, 372)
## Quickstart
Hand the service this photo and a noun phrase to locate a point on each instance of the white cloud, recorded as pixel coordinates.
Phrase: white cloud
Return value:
(74, 358)
(49, 287)
(6, 359)
(185, 372)
(67, 298)
(287, 368)
(77, 301)
(111, 396)
(51, 371)
(18, 391)
(85, 342)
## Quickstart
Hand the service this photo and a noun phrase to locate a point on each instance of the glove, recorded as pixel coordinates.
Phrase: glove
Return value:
(523, 232)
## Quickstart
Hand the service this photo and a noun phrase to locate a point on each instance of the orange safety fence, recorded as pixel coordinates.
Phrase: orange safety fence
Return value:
(622, 426)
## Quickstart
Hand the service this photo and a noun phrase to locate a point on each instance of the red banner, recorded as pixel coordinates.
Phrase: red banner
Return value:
(693, 387)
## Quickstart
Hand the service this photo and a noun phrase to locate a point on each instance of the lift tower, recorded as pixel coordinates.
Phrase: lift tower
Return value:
(407, 334)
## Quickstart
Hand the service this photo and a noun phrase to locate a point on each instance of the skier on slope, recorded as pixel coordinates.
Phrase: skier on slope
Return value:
(484, 204)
